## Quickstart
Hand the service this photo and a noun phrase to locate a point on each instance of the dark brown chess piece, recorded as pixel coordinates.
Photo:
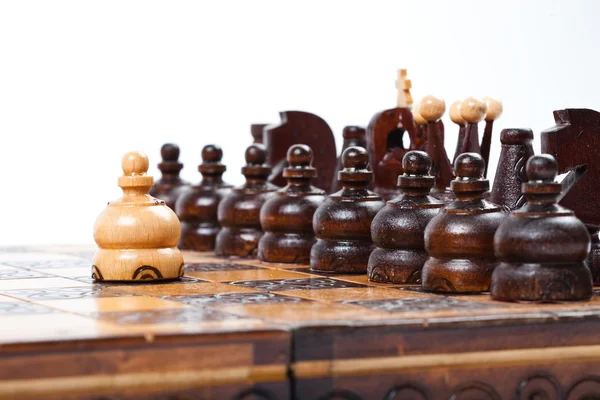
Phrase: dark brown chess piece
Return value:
(197, 206)
(493, 112)
(286, 218)
(239, 212)
(353, 136)
(398, 229)
(473, 111)
(421, 128)
(575, 142)
(298, 127)
(342, 224)
(170, 185)
(257, 132)
(542, 247)
(431, 109)
(460, 121)
(510, 173)
(460, 239)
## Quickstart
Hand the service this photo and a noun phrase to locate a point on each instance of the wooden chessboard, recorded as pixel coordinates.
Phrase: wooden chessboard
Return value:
(242, 329)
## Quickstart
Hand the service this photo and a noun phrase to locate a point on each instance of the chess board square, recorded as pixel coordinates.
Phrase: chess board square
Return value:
(39, 283)
(13, 308)
(49, 263)
(306, 312)
(33, 257)
(344, 294)
(89, 291)
(187, 289)
(221, 299)
(364, 280)
(19, 273)
(166, 316)
(197, 256)
(315, 283)
(421, 305)
(110, 304)
(257, 274)
(215, 267)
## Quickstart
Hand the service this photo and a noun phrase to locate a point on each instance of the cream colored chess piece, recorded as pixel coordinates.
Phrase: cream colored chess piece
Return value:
(137, 234)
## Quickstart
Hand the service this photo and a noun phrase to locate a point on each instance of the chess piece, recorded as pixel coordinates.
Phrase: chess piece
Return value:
(457, 118)
(257, 132)
(353, 136)
(398, 229)
(197, 206)
(494, 110)
(286, 218)
(342, 224)
(239, 212)
(460, 239)
(127, 251)
(170, 185)
(510, 173)
(473, 111)
(575, 142)
(421, 126)
(542, 247)
(432, 108)
(305, 128)
(385, 140)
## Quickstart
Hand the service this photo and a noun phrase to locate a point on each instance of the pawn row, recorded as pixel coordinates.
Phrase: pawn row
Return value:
(469, 245)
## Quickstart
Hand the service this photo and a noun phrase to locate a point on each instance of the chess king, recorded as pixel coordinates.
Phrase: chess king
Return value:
(137, 234)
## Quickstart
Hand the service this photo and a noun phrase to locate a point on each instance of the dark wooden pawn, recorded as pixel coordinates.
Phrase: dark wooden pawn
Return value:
(257, 132)
(353, 136)
(286, 218)
(473, 111)
(510, 173)
(170, 185)
(398, 229)
(542, 247)
(342, 224)
(239, 212)
(460, 239)
(197, 207)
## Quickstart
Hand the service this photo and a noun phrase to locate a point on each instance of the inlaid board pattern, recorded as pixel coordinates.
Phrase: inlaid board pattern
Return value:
(319, 330)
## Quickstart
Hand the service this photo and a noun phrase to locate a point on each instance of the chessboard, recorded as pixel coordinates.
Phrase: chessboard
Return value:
(244, 329)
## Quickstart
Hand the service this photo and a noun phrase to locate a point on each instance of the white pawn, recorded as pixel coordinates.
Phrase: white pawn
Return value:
(137, 234)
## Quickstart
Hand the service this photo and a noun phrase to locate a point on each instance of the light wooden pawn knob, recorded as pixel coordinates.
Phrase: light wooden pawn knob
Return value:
(494, 108)
(136, 234)
(417, 115)
(473, 110)
(455, 113)
(432, 108)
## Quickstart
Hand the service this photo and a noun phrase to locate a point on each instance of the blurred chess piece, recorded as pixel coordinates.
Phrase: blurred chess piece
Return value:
(136, 234)
(494, 111)
(170, 185)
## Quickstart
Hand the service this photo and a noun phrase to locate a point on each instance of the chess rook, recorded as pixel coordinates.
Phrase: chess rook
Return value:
(170, 185)
(342, 223)
(239, 212)
(460, 239)
(398, 229)
(542, 247)
(286, 218)
(510, 173)
(136, 234)
(197, 207)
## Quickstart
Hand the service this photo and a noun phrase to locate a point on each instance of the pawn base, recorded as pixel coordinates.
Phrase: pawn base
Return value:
(457, 276)
(288, 248)
(198, 237)
(137, 264)
(238, 242)
(396, 266)
(341, 257)
(541, 283)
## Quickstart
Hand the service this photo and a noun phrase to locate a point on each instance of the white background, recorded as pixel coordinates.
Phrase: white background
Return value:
(83, 82)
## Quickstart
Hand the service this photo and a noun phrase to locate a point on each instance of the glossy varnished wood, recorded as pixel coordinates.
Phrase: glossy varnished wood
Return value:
(170, 185)
(197, 207)
(353, 136)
